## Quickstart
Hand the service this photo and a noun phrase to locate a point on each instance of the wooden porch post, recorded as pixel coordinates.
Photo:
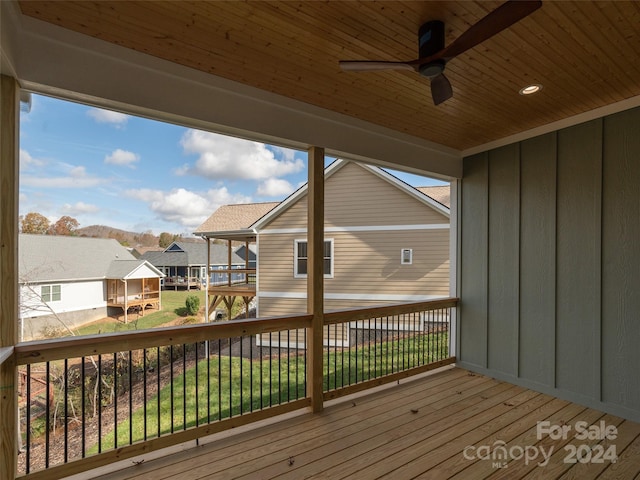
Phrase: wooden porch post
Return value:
(9, 127)
(315, 274)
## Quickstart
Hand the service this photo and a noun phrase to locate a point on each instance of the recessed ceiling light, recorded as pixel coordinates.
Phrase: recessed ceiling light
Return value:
(530, 89)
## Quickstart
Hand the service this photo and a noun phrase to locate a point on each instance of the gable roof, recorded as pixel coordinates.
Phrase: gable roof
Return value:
(440, 193)
(129, 269)
(234, 218)
(46, 258)
(180, 254)
(335, 167)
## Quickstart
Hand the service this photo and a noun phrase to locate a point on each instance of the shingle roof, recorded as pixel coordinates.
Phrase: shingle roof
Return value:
(230, 218)
(441, 194)
(123, 269)
(59, 258)
(192, 254)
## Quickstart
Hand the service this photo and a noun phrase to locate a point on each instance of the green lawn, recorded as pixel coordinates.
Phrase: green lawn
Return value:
(173, 307)
(243, 385)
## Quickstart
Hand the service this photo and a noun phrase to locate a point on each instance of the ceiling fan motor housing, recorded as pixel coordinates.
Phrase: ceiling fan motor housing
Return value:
(430, 42)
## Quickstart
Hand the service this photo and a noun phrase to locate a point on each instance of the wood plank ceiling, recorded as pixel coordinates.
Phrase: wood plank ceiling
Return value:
(585, 54)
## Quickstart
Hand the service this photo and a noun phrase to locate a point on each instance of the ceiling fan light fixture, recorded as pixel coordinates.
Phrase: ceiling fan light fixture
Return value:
(530, 89)
(432, 69)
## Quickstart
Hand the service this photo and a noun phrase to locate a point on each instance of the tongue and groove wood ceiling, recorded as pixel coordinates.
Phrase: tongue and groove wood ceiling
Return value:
(585, 54)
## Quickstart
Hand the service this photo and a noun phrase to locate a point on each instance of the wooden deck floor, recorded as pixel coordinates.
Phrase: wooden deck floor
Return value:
(419, 429)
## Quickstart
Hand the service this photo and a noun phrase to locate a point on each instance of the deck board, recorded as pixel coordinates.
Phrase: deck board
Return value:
(418, 429)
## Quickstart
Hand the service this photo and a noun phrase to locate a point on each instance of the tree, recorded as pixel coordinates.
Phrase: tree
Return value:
(64, 226)
(166, 239)
(34, 222)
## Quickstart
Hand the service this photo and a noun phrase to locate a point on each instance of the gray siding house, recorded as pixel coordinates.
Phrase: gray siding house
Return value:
(185, 264)
(69, 281)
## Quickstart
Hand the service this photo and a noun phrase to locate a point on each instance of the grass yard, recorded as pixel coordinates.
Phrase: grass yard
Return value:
(173, 308)
(201, 395)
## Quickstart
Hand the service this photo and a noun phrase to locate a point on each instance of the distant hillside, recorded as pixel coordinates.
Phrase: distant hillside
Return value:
(131, 239)
(126, 238)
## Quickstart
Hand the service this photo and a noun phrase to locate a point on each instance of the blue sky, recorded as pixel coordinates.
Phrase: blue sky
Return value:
(108, 168)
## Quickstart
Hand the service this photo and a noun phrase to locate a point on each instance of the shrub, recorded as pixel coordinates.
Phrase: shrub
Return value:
(193, 304)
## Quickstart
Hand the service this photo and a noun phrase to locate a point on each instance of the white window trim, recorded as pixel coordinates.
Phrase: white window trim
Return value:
(295, 258)
(50, 285)
(410, 262)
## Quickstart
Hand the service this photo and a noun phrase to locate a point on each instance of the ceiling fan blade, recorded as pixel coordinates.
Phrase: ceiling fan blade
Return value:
(371, 66)
(440, 89)
(500, 19)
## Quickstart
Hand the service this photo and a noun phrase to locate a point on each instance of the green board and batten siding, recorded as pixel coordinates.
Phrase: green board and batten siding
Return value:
(550, 263)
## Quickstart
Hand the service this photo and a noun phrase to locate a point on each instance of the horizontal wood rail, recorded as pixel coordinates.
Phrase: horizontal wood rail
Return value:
(232, 270)
(49, 350)
(5, 354)
(355, 314)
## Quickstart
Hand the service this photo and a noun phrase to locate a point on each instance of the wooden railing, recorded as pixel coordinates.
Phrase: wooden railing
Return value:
(120, 395)
(373, 346)
(5, 354)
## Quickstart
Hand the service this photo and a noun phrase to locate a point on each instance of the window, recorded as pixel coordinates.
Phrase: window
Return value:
(51, 293)
(301, 257)
(406, 256)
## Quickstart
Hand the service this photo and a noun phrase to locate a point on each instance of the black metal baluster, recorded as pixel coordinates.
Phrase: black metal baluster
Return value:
(115, 400)
(48, 414)
(66, 410)
(288, 366)
(99, 400)
(145, 368)
(158, 368)
(130, 399)
(184, 386)
(208, 347)
(27, 421)
(219, 379)
(250, 337)
(197, 390)
(230, 379)
(261, 375)
(241, 375)
(270, 369)
(171, 410)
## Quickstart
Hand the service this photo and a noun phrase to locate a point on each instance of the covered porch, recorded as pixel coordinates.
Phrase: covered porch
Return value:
(239, 283)
(451, 423)
(536, 270)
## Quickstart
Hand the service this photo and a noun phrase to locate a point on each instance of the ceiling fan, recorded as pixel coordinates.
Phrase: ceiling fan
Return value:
(434, 55)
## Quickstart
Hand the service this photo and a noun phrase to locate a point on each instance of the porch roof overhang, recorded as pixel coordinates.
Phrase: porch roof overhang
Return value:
(244, 235)
(299, 97)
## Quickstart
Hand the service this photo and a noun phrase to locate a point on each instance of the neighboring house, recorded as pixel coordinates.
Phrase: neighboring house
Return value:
(185, 264)
(68, 281)
(385, 242)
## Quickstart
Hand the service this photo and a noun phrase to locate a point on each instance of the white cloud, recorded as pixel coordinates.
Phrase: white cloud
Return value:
(77, 178)
(222, 157)
(275, 187)
(185, 207)
(286, 153)
(116, 119)
(122, 157)
(27, 161)
(79, 208)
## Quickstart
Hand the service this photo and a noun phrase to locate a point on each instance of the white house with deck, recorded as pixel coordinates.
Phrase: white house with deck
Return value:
(67, 281)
